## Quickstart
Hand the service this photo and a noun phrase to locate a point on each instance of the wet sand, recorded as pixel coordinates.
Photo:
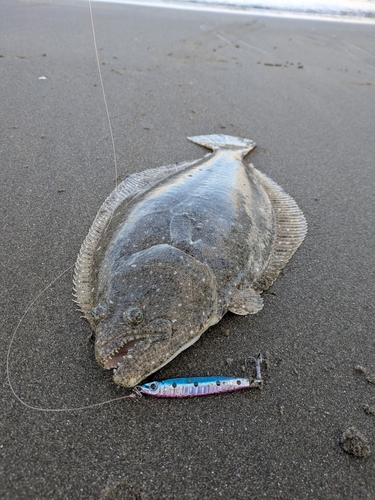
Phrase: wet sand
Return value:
(305, 92)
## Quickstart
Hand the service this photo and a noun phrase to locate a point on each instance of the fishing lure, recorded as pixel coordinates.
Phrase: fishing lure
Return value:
(199, 386)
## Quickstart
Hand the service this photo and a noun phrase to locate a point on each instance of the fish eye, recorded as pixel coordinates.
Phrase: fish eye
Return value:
(134, 315)
(153, 386)
(99, 312)
(139, 317)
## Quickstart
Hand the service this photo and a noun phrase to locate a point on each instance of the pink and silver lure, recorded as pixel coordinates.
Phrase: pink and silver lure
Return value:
(192, 386)
(199, 386)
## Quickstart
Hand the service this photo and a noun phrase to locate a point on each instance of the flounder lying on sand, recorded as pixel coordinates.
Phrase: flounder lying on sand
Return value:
(172, 249)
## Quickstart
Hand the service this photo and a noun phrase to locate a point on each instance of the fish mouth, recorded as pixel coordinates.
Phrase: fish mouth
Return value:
(125, 348)
(119, 349)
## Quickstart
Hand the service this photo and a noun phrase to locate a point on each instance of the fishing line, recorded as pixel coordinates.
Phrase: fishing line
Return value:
(35, 299)
(103, 92)
(40, 294)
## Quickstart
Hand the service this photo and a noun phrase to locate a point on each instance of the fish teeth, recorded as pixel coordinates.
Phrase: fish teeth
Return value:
(126, 341)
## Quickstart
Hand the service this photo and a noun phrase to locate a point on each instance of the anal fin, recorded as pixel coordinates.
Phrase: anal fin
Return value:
(245, 301)
(291, 229)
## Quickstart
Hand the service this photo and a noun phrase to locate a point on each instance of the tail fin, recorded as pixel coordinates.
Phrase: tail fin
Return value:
(220, 141)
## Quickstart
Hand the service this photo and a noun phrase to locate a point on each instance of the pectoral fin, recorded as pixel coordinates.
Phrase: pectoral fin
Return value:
(246, 301)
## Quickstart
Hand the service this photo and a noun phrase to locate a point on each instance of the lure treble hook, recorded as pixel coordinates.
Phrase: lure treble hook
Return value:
(258, 381)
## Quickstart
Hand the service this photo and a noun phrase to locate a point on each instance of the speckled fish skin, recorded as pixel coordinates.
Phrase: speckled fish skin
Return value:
(174, 248)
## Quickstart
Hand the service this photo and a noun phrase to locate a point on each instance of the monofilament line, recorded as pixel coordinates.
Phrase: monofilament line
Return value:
(40, 294)
(32, 303)
(104, 96)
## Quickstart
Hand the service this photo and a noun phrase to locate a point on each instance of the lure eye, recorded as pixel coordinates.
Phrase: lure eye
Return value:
(153, 386)
(134, 315)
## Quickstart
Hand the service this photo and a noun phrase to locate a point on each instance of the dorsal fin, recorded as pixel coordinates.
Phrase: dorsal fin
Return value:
(291, 229)
(135, 183)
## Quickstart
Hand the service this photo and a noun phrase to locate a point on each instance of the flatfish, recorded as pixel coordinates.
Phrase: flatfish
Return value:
(172, 249)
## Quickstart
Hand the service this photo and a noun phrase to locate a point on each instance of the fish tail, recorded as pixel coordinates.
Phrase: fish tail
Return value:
(221, 141)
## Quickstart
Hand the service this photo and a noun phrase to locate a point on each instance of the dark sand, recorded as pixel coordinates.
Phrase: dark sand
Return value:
(305, 92)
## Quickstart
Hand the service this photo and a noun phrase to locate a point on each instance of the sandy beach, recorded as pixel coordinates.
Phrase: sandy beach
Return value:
(304, 91)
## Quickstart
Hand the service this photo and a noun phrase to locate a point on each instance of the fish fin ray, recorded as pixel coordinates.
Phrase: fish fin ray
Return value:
(135, 183)
(246, 301)
(291, 229)
(221, 141)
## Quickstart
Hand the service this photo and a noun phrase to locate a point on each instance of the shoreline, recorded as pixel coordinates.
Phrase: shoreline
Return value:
(343, 17)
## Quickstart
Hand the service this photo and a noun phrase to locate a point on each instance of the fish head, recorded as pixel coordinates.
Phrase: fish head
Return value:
(150, 307)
